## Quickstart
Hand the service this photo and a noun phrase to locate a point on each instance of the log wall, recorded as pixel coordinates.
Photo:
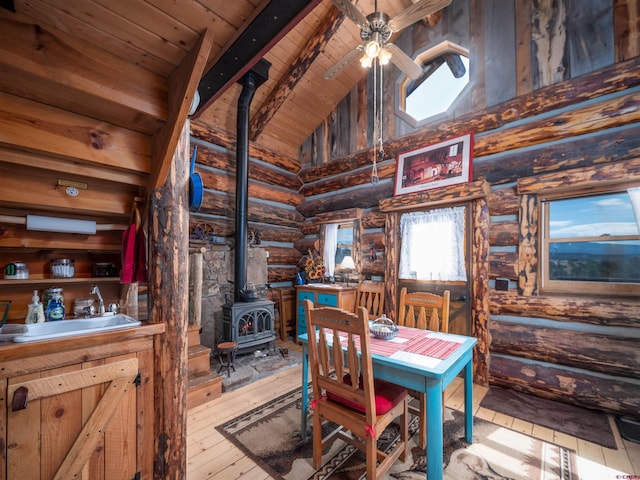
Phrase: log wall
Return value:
(549, 102)
(273, 198)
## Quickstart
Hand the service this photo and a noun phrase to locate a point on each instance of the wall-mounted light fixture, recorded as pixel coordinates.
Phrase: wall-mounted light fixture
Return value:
(63, 225)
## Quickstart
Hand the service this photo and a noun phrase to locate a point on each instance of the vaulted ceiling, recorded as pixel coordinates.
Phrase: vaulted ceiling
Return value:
(158, 35)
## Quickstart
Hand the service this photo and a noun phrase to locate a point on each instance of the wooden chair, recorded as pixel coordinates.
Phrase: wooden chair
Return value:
(345, 392)
(370, 295)
(426, 311)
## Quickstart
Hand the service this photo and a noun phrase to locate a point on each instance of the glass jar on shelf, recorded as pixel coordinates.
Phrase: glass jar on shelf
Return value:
(16, 271)
(53, 301)
(63, 268)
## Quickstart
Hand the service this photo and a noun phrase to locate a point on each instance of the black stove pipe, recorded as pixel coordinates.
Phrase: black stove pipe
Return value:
(250, 82)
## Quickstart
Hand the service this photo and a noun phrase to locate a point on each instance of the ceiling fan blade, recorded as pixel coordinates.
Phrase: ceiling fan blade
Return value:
(415, 12)
(344, 62)
(404, 62)
(351, 11)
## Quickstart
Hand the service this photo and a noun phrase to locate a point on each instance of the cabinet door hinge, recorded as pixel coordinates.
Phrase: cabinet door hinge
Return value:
(138, 380)
(136, 476)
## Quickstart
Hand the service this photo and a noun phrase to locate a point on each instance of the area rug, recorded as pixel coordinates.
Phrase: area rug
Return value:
(590, 425)
(270, 435)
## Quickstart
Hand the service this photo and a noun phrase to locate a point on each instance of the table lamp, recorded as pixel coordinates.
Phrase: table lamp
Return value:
(348, 265)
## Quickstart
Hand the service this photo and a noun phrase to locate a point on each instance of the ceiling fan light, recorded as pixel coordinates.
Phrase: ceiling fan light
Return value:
(366, 61)
(372, 49)
(384, 56)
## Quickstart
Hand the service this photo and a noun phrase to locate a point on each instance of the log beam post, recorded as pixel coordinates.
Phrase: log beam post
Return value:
(168, 303)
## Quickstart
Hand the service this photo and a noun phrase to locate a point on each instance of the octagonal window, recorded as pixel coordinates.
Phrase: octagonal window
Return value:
(445, 75)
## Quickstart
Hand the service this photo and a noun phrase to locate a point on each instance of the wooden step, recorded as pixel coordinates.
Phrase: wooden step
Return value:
(199, 359)
(203, 387)
(193, 333)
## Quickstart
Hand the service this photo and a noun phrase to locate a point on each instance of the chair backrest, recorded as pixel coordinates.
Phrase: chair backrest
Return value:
(370, 295)
(335, 336)
(424, 310)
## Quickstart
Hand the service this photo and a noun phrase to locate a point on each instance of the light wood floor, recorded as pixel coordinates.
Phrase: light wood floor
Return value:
(211, 456)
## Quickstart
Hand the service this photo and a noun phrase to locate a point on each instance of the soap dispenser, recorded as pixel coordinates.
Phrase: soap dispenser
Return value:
(35, 312)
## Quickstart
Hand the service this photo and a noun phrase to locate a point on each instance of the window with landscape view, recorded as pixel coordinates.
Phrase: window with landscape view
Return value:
(591, 243)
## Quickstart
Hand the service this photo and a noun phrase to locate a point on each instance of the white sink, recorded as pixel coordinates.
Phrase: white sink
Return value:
(66, 328)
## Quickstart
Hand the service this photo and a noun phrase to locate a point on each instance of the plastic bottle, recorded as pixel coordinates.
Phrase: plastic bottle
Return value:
(35, 313)
(55, 309)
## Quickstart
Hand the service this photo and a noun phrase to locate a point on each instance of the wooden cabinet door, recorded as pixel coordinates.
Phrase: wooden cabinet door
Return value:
(79, 422)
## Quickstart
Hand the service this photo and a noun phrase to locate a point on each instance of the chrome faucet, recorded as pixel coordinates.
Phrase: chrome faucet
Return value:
(96, 291)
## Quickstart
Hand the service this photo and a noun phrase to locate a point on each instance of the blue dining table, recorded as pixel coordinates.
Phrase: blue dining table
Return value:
(419, 372)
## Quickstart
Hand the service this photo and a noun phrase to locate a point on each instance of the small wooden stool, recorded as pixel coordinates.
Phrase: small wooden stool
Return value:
(229, 349)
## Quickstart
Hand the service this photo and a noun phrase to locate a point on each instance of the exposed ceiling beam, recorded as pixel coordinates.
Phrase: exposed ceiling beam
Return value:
(314, 47)
(8, 5)
(182, 88)
(259, 34)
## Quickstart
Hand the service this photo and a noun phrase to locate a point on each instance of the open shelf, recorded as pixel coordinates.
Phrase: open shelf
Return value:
(61, 281)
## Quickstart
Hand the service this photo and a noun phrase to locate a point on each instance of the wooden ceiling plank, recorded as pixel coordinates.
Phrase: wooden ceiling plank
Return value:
(198, 17)
(183, 84)
(147, 17)
(288, 82)
(61, 165)
(78, 76)
(48, 15)
(235, 12)
(105, 20)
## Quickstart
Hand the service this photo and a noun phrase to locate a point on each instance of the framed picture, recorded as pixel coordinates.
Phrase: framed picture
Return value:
(439, 165)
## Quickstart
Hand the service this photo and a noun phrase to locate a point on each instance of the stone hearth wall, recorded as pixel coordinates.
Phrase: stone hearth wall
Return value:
(217, 286)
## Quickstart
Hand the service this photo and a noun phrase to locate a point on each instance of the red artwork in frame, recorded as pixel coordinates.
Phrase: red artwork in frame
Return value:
(439, 165)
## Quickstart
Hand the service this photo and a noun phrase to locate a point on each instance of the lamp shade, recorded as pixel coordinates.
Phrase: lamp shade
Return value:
(347, 263)
(64, 225)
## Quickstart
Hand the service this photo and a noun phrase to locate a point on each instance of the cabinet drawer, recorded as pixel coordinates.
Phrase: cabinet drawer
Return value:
(302, 321)
(302, 326)
(302, 296)
(329, 299)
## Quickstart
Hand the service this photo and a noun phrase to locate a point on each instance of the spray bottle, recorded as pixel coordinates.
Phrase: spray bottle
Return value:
(35, 312)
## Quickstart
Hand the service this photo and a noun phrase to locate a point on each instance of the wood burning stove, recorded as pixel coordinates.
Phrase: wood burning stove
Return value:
(248, 323)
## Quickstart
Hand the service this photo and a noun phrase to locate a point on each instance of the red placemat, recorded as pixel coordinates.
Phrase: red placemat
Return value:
(409, 340)
(431, 347)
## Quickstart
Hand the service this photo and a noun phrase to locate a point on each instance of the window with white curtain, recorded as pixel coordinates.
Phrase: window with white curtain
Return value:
(432, 245)
(329, 253)
(338, 244)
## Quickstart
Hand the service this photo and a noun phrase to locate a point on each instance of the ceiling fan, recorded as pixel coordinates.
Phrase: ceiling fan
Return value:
(375, 31)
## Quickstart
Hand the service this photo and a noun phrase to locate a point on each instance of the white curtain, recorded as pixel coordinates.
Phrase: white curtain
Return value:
(330, 245)
(432, 245)
(634, 195)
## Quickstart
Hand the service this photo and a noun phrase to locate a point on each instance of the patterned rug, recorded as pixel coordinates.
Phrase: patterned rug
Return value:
(270, 435)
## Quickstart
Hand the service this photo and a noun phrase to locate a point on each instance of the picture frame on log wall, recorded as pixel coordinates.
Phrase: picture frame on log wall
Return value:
(445, 163)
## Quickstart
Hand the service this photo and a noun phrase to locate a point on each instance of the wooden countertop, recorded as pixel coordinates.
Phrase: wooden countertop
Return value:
(14, 351)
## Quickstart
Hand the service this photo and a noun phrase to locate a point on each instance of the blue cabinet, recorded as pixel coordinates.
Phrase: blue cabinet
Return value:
(321, 295)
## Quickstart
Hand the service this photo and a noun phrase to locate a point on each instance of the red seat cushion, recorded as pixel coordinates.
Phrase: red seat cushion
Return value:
(387, 396)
